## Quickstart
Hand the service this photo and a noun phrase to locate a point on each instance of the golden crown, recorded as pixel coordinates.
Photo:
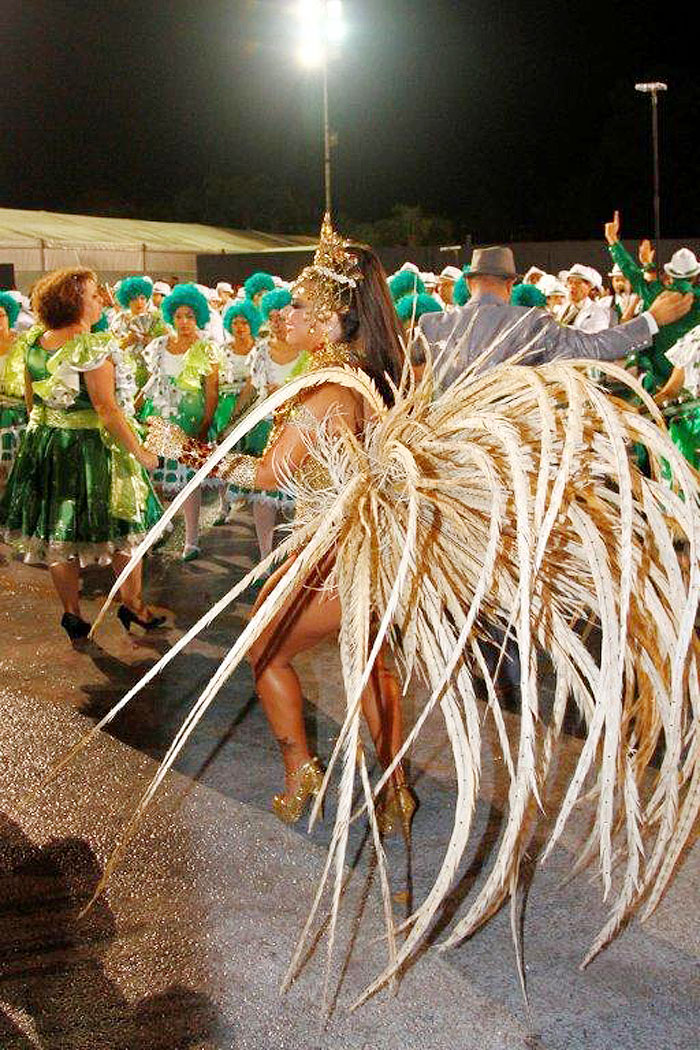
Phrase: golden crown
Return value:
(328, 283)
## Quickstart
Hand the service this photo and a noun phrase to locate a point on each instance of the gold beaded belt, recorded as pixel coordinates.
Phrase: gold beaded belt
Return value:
(79, 419)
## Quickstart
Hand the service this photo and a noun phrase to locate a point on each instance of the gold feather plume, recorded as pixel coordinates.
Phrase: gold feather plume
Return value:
(508, 501)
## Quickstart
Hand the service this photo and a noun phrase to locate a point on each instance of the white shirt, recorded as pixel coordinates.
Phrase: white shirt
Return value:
(592, 317)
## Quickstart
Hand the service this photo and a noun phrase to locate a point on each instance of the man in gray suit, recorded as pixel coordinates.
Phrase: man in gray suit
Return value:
(490, 322)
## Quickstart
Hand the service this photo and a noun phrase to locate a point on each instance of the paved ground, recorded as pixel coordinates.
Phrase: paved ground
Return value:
(189, 944)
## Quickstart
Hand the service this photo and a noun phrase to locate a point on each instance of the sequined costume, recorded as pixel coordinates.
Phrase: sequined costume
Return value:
(134, 332)
(73, 491)
(175, 390)
(13, 412)
(508, 500)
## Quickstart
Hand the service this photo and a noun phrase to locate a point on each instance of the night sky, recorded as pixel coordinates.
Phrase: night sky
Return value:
(516, 120)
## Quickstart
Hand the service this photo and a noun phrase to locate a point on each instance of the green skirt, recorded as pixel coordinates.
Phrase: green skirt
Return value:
(13, 420)
(57, 502)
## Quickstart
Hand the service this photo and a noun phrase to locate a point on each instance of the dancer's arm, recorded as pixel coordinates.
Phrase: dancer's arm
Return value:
(332, 405)
(100, 388)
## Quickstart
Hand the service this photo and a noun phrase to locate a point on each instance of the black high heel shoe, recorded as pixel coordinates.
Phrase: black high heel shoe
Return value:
(127, 616)
(75, 627)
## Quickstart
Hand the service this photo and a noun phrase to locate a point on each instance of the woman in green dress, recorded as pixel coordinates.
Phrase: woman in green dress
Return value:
(78, 491)
(13, 413)
(183, 386)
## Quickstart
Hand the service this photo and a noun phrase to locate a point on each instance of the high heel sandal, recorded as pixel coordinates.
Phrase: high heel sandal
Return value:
(75, 627)
(127, 616)
(397, 811)
(308, 778)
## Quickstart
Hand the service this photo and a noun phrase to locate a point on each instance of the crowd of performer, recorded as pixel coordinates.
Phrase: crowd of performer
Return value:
(86, 370)
(201, 357)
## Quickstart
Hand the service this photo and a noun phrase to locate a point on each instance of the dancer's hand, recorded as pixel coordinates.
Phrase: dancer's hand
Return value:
(670, 306)
(148, 460)
(612, 229)
(646, 253)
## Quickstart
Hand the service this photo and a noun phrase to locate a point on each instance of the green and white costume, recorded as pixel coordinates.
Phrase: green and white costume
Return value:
(175, 391)
(74, 492)
(13, 412)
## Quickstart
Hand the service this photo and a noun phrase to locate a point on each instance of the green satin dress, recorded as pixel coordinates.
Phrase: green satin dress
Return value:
(73, 492)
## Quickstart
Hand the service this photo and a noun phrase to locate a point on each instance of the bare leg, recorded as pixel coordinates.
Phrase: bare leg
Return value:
(264, 516)
(224, 502)
(131, 590)
(191, 509)
(311, 617)
(65, 576)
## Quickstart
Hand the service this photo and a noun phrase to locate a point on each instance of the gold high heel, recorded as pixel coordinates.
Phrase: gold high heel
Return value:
(397, 811)
(309, 778)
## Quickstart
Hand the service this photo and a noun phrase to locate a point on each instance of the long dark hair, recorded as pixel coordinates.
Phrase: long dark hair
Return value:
(371, 325)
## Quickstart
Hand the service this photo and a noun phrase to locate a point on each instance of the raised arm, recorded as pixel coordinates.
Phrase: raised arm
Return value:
(630, 268)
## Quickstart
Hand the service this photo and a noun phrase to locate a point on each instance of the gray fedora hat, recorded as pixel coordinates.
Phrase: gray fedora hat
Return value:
(492, 262)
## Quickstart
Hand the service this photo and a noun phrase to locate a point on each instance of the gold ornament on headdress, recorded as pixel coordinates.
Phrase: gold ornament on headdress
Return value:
(327, 285)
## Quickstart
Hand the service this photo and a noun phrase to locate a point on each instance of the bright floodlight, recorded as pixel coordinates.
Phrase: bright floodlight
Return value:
(320, 24)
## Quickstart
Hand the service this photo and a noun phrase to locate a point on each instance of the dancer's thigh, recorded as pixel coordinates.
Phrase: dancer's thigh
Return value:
(308, 616)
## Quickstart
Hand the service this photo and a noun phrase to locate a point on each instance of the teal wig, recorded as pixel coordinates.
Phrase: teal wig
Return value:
(11, 306)
(460, 292)
(422, 303)
(131, 287)
(102, 325)
(258, 282)
(186, 295)
(244, 308)
(276, 300)
(527, 295)
(405, 282)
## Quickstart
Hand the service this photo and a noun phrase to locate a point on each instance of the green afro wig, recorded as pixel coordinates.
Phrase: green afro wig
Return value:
(102, 325)
(186, 295)
(527, 295)
(258, 282)
(243, 308)
(424, 304)
(131, 287)
(405, 283)
(460, 292)
(11, 306)
(276, 300)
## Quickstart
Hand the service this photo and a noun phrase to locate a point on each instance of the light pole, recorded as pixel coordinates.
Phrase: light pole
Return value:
(321, 29)
(653, 90)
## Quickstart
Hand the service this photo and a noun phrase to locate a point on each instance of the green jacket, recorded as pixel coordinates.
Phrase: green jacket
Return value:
(653, 363)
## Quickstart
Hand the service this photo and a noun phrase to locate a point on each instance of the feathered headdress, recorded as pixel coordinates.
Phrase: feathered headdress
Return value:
(327, 285)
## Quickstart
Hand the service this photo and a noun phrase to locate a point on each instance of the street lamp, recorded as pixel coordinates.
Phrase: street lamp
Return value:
(653, 90)
(321, 29)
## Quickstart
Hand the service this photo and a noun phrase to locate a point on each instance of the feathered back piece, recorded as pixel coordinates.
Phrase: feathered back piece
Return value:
(509, 500)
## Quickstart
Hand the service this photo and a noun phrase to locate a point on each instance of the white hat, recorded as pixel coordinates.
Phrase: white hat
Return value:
(551, 285)
(616, 271)
(683, 264)
(585, 273)
(453, 273)
(429, 279)
(280, 283)
(527, 279)
(596, 277)
(208, 293)
(162, 288)
(409, 266)
(562, 275)
(224, 286)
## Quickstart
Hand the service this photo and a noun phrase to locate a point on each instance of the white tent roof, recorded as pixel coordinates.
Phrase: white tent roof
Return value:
(28, 229)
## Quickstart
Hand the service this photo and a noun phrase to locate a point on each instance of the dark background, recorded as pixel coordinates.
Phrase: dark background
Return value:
(511, 120)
